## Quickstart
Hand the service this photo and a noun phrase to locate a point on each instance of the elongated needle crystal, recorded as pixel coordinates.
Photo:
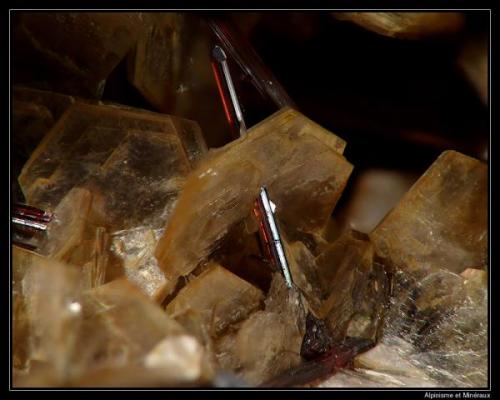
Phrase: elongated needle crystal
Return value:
(264, 208)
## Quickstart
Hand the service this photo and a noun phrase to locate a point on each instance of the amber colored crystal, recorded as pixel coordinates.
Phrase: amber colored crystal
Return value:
(75, 51)
(473, 60)
(262, 356)
(406, 25)
(34, 113)
(154, 65)
(442, 221)
(134, 160)
(299, 162)
(47, 294)
(346, 285)
(219, 296)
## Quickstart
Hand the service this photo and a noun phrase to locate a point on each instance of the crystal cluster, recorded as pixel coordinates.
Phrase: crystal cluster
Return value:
(441, 222)
(434, 243)
(152, 274)
(300, 163)
(76, 52)
(107, 146)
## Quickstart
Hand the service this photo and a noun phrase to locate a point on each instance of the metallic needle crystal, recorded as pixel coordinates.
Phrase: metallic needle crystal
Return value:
(264, 207)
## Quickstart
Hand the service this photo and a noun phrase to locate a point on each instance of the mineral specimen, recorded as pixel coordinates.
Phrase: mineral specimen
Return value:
(283, 320)
(365, 378)
(46, 313)
(442, 221)
(299, 162)
(34, 112)
(76, 235)
(406, 25)
(55, 103)
(219, 297)
(132, 257)
(155, 63)
(473, 61)
(76, 51)
(434, 334)
(106, 149)
(346, 285)
(76, 333)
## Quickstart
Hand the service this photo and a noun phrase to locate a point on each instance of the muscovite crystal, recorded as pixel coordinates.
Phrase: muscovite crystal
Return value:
(300, 163)
(442, 221)
(219, 297)
(135, 160)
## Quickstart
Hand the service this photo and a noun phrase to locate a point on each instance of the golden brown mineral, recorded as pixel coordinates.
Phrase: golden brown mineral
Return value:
(219, 297)
(47, 312)
(76, 51)
(134, 160)
(473, 61)
(406, 25)
(346, 285)
(300, 163)
(155, 63)
(75, 333)
(442, 221)
(258, 357)
(76, 235)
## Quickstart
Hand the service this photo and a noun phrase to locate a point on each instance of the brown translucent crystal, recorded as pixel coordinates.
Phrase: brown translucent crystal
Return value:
(75, 333)
(22, 260)
(195, 89)
(170, 66)
(76, 236)
(442, 221)
(257, 356)
(219, 296)
(154, 65)
(30, 123)
(76, 51)
(345, 284)
(55, 103)
(473, 61)
(407, 25)
(121, 326)
(134, 160)
(47, 299)
(299, 162)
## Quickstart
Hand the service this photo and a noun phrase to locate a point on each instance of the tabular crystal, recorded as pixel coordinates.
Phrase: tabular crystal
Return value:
(442, 221)
(299, 162)
(219, 296)
(135, 160)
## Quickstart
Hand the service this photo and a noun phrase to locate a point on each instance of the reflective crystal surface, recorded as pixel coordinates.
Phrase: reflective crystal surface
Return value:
(66, 62)
(435, 334)
(406, 25)
(132, 257)
(134, 160)
(299, 162)
(260, 357)
(76, 236)
(441, 222)
(219, 297)
(346, 285)
(154, 65)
